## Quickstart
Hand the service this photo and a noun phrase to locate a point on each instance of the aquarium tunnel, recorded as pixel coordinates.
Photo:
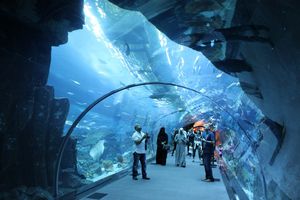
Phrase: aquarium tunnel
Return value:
(95, 69)
(113, 51)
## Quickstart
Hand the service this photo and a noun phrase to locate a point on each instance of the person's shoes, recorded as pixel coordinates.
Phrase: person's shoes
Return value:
(134, 178)
(193, 160)
(208, 180)
(146, 178)
(177, 165)
(183, 166)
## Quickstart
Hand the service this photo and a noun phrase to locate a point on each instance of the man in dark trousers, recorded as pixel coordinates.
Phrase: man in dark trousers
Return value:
(174, 143)
(208, 152)
(139, 154)
(191, 140)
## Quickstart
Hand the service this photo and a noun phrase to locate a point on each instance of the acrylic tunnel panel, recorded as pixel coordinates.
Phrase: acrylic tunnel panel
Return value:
(104, 135)
(117, 48)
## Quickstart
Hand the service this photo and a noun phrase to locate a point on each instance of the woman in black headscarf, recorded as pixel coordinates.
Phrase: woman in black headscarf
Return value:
(162, 151)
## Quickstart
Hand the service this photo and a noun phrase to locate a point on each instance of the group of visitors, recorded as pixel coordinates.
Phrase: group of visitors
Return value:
(201, 140)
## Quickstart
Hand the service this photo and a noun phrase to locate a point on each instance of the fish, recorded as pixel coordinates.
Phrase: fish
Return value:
(202, 90)
(156, 52)
(163, 95)
(219, 75)
(68, 122)
(70, 93)
(230, 66)
(251, 89)
(102, 61)
(125, 113)
(103, 126)
(81, 104)
(92, 123)
(97, 150)
(233, 84)
(123, 84)
(127, 51)
(76, 82)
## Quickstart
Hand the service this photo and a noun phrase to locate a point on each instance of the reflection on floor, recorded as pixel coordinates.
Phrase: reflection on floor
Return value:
(167, 183)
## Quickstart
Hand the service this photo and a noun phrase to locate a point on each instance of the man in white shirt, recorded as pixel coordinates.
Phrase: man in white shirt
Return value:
(139, 154)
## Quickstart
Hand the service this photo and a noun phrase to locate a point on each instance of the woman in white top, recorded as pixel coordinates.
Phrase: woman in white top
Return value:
(181, 140)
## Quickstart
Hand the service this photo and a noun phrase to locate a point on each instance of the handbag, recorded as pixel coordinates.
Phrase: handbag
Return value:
(166, 147)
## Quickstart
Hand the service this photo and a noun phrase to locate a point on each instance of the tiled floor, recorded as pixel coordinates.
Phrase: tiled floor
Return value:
(167, 183)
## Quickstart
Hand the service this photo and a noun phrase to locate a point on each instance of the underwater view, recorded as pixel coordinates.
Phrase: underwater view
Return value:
(140, 99)
(117, 48)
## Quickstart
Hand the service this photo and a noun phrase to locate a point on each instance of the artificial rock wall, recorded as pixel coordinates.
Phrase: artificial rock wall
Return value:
(31, 119)
(256, 41)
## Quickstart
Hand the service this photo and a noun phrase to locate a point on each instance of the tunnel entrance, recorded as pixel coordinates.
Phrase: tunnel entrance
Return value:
(80, 117)
(143, 54)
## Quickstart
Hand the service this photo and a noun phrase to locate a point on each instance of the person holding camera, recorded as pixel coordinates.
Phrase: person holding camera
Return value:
(139, 154)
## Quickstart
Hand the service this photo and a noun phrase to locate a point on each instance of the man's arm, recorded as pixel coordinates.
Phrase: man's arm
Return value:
(210, 140)
(137, 142)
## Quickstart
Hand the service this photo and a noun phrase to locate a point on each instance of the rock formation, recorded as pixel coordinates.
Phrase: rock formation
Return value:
(31, 119)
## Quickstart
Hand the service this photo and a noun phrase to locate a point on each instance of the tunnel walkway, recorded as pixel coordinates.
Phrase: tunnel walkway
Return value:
(167, 183)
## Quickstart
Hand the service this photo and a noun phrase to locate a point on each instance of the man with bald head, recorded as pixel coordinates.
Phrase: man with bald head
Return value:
(139, 154)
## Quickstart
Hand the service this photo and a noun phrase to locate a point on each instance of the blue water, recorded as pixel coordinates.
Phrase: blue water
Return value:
(116, 48)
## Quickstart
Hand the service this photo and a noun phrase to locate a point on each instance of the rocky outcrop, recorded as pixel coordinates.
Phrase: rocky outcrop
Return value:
(31, 119)
(50, 19)
(257, 42)
(31, 137)
(24, 193)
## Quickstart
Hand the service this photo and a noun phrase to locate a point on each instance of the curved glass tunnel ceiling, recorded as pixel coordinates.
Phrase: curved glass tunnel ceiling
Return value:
(116, 48)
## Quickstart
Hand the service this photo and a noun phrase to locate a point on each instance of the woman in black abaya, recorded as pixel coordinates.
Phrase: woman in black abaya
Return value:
(162, 151)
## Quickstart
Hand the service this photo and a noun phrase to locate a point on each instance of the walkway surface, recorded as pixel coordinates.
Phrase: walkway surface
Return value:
(167, 183)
